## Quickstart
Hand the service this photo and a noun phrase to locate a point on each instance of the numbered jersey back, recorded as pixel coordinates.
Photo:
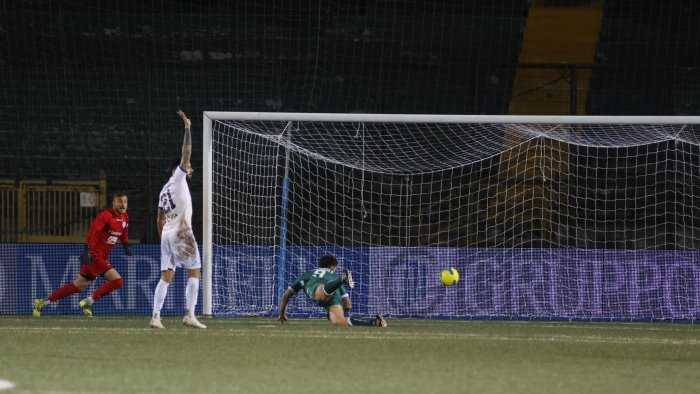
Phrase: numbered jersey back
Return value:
(176, 202)
(309, 280)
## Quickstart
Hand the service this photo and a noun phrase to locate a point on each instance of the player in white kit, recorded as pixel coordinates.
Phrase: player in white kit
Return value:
(178, 247)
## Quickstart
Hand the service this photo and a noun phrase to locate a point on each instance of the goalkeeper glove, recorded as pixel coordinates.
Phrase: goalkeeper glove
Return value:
(86, 255)
(127, 250)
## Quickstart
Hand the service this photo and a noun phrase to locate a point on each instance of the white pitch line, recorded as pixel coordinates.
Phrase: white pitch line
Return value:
(6, 385)
(358, 334)
(602, 326)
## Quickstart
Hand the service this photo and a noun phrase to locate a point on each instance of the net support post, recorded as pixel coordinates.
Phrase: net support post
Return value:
(284, 202)
(207, 242)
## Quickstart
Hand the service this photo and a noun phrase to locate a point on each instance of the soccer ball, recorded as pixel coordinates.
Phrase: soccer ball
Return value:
(449, 277)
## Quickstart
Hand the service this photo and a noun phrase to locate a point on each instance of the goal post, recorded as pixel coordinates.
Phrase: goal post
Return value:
(545, 217)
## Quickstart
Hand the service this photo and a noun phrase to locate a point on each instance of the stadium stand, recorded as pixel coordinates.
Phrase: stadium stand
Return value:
(95, 87)
(647, 60)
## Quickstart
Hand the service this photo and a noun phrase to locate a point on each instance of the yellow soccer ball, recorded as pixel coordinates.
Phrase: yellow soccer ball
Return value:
(449, 277)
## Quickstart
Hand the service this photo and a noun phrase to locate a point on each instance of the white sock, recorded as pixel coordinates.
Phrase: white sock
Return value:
(159, 297)
(191, 293)
(90, 300)
(348, 320)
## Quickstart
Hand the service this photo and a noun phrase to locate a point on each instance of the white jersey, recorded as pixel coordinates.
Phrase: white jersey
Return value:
(176, 202)
(177, 244)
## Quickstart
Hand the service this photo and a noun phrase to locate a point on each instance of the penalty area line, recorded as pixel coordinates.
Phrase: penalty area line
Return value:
(6, 384)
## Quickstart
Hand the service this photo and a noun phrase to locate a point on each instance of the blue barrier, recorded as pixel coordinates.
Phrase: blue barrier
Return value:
(532, 284)
(549, 284)
(540, 284)
(30, 271)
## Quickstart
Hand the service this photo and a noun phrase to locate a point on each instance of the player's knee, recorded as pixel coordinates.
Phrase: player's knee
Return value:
(338, 322)
(194, 273)
(81, 283)
(167, 276)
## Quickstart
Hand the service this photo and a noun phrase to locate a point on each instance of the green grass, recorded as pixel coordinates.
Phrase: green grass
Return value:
(259, 355)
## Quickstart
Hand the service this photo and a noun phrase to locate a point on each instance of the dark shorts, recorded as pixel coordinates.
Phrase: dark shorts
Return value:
(98, 267)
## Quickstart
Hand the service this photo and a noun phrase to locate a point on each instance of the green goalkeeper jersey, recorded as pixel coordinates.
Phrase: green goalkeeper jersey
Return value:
(310, 280)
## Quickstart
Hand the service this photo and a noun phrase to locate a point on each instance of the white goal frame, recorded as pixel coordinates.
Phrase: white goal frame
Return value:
(210, 116)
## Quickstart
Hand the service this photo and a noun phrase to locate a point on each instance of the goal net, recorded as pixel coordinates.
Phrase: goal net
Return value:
(590, 218)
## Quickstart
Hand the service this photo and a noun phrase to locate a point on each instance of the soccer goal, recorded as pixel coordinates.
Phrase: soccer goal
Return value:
(544, 217)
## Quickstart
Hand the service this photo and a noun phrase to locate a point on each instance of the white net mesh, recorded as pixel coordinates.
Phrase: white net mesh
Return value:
(544, 221)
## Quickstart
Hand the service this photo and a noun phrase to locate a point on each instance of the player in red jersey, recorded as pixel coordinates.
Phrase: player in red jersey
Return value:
(111, 225)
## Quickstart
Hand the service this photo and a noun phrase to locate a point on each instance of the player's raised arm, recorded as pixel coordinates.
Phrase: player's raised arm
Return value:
(187, 142)
(283, 305)
(160, 221)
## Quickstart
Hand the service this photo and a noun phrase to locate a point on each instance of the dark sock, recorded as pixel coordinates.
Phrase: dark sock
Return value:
(333, 285)
(360, 320)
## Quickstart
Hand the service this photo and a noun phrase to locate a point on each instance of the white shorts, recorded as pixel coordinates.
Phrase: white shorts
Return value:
(179, 249)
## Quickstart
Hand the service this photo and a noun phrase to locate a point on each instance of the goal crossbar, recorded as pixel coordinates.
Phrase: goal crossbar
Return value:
(430, 118)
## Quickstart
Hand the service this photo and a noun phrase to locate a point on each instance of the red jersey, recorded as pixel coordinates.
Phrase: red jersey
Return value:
(105, 230)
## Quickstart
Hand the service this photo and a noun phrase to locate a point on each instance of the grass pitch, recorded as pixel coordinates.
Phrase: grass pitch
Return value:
(258, 355)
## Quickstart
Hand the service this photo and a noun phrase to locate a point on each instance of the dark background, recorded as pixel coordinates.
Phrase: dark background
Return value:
(90, 86)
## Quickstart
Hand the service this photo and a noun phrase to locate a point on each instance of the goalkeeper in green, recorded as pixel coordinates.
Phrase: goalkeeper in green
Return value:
(327, 289)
